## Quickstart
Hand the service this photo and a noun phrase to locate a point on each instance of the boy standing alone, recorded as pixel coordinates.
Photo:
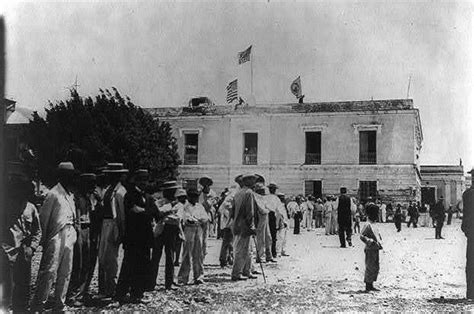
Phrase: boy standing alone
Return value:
(373, 243)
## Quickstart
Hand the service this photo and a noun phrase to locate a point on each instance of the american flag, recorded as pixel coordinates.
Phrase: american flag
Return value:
(244, 56)
(232, 91)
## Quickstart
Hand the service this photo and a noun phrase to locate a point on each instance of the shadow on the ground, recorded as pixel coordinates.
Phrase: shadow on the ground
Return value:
(451, 301)
(353, 292)
(218, 278)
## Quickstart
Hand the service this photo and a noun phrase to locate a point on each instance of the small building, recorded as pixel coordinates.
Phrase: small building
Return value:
(445, 180)
(370, 147)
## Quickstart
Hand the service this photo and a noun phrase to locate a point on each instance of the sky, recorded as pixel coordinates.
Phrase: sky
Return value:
(164, 53)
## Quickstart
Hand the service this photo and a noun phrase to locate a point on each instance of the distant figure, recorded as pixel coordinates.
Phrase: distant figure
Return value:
(397, 218)
(451, 210)
(344, 217)
(373, 244)
(298, 215)
(357, 220)
(468, 228)
(439, 214)
(413, 213)
(383, 212)
(327, 213)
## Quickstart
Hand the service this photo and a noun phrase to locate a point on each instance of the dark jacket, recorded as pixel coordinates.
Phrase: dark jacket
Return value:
(138, 228)
(344, 210)
(243, 212)
(439, 212)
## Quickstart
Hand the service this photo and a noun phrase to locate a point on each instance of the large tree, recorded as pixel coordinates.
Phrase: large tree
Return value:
(93, 131)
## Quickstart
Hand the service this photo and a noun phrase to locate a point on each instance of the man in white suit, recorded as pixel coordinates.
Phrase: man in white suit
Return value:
(57, 216)
(113, 227)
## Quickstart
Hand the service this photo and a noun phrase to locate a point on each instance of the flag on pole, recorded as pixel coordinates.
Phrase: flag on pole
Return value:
(232, 91)
(295, 87)
(244, 56)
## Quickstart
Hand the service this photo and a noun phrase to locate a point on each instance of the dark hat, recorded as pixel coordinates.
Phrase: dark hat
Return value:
(238, 179)
(259, 178)
(272, 185)
(441, 197)
(193, 192)
(88, 177)
(115, 167)
(472, 171)
(248, 176)
(279, 194)
(343, 190)
(169, 185)
(205, 181)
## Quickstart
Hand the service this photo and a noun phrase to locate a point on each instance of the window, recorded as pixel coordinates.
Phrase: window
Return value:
(191, 149)
(367, 147)
(250, 149)
(313, 187)
(367, 189)
(313, 148)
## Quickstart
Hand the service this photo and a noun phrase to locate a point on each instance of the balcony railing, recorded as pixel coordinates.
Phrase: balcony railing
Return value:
(313, 158)
(368, 158)
(249, 159)
(190, 159)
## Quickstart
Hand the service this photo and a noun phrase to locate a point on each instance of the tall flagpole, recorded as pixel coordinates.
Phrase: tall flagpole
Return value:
(251, 73)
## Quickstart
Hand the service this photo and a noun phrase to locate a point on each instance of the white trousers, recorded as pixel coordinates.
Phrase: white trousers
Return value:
(108, 257)
(56, 263)
(281, 241)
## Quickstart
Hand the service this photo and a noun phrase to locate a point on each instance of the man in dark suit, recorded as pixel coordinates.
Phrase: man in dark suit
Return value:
(439, 214)
(343, 205)
(138, 239)
(468, 228)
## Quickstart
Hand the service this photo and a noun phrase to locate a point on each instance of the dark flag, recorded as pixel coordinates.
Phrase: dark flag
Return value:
(295, 87)
(232, 91)
(244, 56)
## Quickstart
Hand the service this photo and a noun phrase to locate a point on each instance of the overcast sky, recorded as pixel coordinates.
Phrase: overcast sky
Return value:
(161, 54)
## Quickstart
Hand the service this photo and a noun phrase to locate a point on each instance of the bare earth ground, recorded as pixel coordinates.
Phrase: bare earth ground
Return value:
(418, 273)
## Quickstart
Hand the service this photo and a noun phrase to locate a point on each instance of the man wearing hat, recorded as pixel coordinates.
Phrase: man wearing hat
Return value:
(264, 238)
(273, 203)
(20, 237)
(193, 217)
(86, 201)
(439, 215)
(225, 256)
(57, 216)
(243, 214)
(181, 198)
(207, 199)
(344, 217)
(468, 228)
(282, 226)
(113, 228)
(138, 239)
(165, 236)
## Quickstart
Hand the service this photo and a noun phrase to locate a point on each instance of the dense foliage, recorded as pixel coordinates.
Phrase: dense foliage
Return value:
(91, 132)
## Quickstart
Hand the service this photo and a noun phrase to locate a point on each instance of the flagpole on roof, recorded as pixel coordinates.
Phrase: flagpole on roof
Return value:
(251, 74)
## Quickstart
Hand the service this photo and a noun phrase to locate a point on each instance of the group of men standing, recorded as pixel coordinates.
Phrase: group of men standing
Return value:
(83, 221)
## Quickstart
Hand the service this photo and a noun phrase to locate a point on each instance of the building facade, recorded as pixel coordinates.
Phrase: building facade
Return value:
(442, 180)
(370, 147)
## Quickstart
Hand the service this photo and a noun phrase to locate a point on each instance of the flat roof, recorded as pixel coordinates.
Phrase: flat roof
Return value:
(339, 106)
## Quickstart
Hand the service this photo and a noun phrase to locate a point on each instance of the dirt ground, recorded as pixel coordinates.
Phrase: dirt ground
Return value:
(418, 273)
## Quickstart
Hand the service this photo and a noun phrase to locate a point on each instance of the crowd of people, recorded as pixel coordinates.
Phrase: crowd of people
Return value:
(86, 217)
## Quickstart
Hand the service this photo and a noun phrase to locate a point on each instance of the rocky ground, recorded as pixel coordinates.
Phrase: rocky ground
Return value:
(418, 273)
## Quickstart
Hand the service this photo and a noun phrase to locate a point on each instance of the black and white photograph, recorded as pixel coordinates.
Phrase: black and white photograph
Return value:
(236, 156)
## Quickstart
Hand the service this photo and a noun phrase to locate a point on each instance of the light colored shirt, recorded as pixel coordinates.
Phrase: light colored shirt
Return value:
(194, 213)
(57, 211)
(272, 202)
